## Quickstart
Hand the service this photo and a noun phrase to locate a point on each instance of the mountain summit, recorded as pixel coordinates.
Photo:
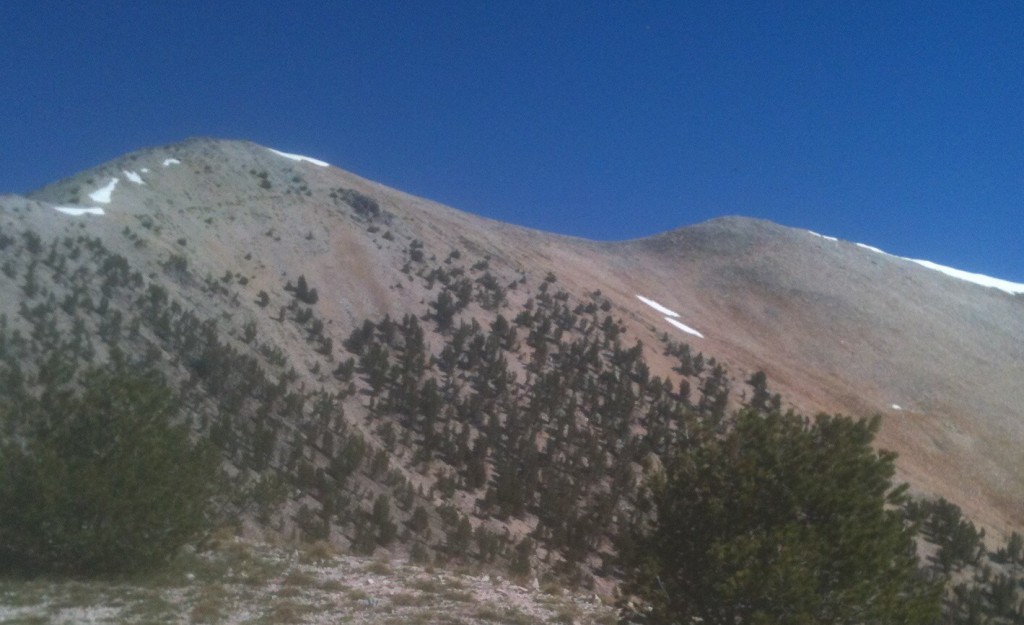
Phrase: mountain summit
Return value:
(249, 275)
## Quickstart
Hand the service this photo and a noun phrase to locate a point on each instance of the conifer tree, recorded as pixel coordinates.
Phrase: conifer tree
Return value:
(101, 480)
(783, 520)
(445, 308)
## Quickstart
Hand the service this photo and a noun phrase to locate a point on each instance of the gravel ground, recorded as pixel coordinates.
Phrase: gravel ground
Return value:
(259, 584)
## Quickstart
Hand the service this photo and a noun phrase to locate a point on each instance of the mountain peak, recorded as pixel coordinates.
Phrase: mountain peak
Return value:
(225, 229)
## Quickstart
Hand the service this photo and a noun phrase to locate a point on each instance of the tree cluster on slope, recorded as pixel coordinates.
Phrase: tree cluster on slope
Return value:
(541, 412)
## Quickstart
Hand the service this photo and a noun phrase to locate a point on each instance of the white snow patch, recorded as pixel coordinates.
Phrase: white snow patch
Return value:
(682, 326)
(171, 161)
(670, 315)
(79, 210)
(299, 157)
(145, 170)
(873, 249)
(827, 238)
(658, 307)
(897, 407)
(1013, 288)
(103, 195)
(133, 176)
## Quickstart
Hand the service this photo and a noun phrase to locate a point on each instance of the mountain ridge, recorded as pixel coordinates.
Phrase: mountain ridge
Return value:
(837, 327)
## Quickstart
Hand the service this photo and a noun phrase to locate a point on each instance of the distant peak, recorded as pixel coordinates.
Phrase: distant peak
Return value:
(727, 236)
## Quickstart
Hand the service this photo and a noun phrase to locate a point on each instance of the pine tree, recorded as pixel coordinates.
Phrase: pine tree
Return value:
(102, 480)
(459, 537)
(445, 308)
(783, 520)
(381, 518)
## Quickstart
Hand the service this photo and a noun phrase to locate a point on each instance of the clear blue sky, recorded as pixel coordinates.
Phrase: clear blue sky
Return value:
(898, 124)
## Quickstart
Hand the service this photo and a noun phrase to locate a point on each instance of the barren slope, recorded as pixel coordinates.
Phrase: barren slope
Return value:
(837, 327)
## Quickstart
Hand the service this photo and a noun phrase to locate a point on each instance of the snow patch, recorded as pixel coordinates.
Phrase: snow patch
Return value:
(873, 249)
(658, 307)
(670, 316)
(1013, 288)
(897, 407)
(171, 161)
(682, 326)
(103, 195)
(79, 210)
(299, 157)
(133, 177)
(145, 170)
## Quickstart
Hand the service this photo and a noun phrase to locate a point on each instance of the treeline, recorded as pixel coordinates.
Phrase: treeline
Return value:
(505, 421)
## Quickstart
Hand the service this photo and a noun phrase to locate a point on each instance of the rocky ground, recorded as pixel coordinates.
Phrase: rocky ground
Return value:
(240, 582)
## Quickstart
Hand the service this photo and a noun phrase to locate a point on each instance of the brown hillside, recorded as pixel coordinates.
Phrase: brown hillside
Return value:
(836, 327)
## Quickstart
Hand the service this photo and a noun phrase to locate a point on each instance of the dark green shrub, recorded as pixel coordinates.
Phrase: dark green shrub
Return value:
(100, 480)
(364, 205)
(783, 520)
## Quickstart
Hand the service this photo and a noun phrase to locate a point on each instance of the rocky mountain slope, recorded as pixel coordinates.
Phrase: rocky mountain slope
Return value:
(249, 276)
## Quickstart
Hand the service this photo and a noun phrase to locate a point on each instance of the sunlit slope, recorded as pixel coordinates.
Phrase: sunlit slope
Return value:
(837, 326)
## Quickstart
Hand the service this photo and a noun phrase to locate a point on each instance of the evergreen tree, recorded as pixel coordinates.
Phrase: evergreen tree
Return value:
(444, 310)
(783, 520)
(459, 537)
(381, 516)
(761, 399)
(102, 480)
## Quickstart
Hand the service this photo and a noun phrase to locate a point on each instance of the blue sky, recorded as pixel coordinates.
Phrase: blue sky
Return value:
(898, 124)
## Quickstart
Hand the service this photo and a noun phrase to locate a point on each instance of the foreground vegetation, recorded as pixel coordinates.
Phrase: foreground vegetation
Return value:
(98, 474)
(506, 424)
(783, 520)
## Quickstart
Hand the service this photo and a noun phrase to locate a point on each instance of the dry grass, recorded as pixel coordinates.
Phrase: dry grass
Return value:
(236, 583)
(378, 567)
(506, 616)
